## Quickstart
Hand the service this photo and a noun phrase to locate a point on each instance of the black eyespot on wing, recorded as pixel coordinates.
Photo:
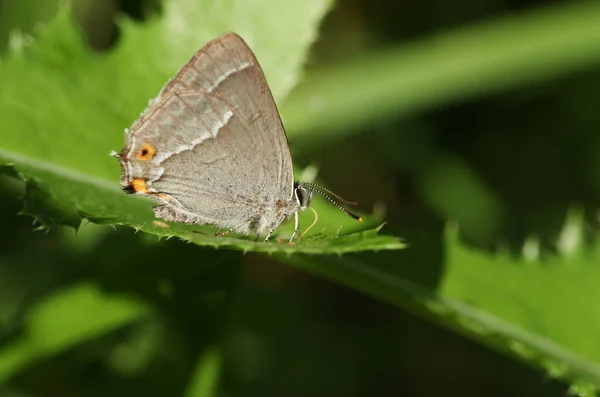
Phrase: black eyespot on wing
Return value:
(129, 189)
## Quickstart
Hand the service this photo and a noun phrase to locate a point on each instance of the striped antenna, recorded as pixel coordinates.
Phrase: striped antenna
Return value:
(326, 192)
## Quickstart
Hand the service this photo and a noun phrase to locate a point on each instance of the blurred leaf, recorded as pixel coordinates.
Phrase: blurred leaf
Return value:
(205, 380)
(63, 109)
(544, 313)
(547, 311)
(497, 55)
(64, 320)
(19, 16)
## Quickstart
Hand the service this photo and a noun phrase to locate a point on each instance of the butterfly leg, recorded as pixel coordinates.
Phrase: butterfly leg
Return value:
(296, 227)
(221, 233)
(275, 226)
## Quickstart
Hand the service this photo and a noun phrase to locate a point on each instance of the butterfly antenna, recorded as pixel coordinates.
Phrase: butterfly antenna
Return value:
(324, 189)
(326, 192)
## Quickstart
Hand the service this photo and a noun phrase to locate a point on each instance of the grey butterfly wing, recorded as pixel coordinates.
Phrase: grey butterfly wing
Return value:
(211, 146)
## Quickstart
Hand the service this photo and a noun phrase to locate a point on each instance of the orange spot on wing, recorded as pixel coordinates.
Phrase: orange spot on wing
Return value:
(146, 152)
(139, 185)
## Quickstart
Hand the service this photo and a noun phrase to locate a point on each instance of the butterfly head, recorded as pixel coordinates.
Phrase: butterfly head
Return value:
(304, 193)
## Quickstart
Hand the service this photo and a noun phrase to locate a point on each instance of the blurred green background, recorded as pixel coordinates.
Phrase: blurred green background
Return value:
(472, 125)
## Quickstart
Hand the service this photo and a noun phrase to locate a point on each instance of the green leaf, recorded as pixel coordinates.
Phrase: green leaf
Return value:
(66, 319)
(511, 52)
(63, 109)
(206, 375)
(543, 312)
